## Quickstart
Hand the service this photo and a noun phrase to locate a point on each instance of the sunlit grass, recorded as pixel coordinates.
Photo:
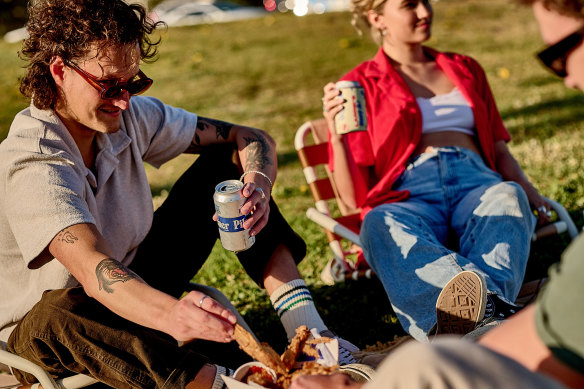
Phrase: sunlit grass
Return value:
(269, 73)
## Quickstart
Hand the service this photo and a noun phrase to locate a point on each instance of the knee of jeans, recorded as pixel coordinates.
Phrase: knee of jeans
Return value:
(387, 229)
(373, 222)
(504, 199)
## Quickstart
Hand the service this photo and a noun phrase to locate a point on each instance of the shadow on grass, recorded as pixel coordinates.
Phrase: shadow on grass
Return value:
(358, 311)
(546, 118)
(287, 158)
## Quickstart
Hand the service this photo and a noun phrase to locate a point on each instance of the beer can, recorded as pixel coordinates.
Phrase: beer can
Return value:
(353, 117)
(228, 201)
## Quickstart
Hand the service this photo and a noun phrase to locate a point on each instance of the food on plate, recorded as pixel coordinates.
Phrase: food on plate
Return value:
(260, 376)
(261, 352)
(287, 366)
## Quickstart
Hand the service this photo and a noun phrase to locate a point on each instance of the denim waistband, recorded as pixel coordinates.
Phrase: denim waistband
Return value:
(419, 159)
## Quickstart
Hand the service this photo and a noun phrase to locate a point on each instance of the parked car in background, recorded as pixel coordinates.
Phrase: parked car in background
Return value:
(188, 12)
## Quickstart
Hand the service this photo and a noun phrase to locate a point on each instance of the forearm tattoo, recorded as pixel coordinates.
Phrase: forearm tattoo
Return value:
(257, 153)
(67, 236)
(109, 271)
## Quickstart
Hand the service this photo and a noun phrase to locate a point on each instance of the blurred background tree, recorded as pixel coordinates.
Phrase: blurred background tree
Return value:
(12, 15)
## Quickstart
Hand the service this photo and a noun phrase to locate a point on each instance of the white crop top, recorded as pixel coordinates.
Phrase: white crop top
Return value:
(447, 112)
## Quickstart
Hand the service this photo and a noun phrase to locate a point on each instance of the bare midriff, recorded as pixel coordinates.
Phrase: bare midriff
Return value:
(446, 139)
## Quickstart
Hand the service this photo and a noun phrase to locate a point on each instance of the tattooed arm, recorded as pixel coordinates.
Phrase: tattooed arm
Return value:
(257, 153)
(257, 150)
(83, 251)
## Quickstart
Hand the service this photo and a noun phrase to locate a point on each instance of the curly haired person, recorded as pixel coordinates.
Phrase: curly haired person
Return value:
(92, 277)
(543, 345)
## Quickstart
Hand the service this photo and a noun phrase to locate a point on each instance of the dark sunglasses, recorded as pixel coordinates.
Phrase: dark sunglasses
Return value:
(555, 56)
(110, 89)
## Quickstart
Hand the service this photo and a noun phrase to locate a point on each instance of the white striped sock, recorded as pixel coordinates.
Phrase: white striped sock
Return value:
(295, 307)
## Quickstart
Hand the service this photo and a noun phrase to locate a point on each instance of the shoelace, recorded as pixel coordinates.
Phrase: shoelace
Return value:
(345, 357)
(345, 353)
(495, 313)
(490, 308)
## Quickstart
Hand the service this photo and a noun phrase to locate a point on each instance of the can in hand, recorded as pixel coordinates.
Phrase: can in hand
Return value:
(228, 201)
(353, 117)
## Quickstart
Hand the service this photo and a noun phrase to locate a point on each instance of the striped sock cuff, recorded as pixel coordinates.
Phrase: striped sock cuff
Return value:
(291, 295)
(218, 382)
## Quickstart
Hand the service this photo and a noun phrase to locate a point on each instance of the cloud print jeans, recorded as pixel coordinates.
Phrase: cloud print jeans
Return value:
(460, 216)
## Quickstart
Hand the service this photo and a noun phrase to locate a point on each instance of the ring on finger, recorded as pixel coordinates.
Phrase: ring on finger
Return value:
(201, 301)
(261, 192)
(545, 211)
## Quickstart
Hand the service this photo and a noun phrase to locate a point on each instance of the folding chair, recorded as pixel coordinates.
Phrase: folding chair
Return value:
(341, 224)
(9, 361)
(45, 381)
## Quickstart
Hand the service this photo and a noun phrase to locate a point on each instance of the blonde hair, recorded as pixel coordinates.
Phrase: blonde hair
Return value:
(359, 20)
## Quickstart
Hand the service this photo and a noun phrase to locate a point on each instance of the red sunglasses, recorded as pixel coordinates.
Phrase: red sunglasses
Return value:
(110, 89)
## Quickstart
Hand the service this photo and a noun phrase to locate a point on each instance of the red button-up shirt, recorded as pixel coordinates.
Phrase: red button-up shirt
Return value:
(395, 123)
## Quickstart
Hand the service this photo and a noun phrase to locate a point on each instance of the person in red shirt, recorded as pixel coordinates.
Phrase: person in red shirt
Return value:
(445, 207)
(543, 345)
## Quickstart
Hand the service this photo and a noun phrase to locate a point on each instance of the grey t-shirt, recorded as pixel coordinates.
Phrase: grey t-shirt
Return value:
(560, 308)
(45, 187)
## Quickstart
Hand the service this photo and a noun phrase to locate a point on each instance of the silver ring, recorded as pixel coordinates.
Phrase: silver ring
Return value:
(543, 210)
(261, 191)
(201, 301)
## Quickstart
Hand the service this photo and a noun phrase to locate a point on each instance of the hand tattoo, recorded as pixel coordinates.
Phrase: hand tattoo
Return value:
(110, 271)
(257, 153)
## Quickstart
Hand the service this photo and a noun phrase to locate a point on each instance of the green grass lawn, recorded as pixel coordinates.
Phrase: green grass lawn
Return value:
(269, 73)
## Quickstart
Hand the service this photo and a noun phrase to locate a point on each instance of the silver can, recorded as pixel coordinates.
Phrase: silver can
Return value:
(353, 117)
(228, 201)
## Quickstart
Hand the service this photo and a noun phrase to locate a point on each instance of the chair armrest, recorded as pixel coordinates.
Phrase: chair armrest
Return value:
(25, 365)
(330, 224)
(564, 217)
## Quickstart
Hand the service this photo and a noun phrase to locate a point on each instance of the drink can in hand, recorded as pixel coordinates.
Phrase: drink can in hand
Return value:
(353, 117)
(228, 202)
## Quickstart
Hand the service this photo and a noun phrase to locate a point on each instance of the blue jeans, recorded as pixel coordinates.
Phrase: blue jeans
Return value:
(460, 216)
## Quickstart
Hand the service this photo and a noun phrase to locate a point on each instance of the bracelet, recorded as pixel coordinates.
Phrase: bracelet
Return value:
(261, 174)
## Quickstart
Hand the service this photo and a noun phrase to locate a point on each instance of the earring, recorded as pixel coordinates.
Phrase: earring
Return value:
(383, 32)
